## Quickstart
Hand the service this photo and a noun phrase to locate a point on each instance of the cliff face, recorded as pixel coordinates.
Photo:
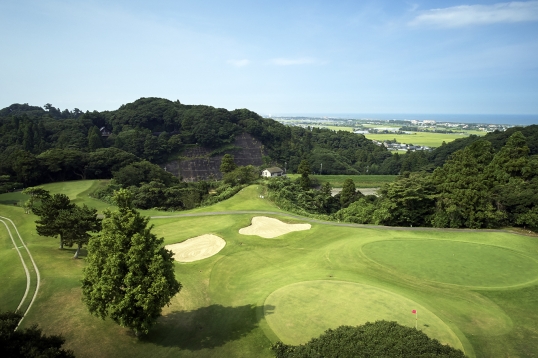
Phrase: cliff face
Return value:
(196, 163)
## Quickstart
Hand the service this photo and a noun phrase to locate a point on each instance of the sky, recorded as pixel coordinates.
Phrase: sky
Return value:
(273, 57)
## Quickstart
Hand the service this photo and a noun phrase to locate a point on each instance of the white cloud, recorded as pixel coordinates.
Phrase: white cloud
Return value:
(465, 15)
(239, 63)
(293, 61)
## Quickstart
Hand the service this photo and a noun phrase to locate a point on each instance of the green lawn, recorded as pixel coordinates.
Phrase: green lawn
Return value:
(361, 181)
(78, 191)
(303, 310)
(453, 262)
(12, 275)
(472, 289)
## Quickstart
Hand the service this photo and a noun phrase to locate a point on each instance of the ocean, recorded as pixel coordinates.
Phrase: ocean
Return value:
(509, 119)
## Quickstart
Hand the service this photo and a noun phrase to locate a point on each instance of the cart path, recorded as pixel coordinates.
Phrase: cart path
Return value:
(28, 278)
(333, 223)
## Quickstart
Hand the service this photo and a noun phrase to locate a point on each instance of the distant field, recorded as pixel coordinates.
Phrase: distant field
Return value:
(361, 181)
(338, 128)
(420, 138)
(367, 125)
(416, 138)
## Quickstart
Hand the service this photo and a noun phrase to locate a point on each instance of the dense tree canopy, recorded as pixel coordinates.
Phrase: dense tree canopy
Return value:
(371, 340)
(476, 188)
(39, 145)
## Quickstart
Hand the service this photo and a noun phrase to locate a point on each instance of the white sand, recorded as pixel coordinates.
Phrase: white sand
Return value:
(197, 248)
(269, 228)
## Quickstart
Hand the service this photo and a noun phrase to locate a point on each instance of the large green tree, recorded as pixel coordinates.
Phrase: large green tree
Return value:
(79, 223)
(58, 216)
(130, 275)
(53, 213)
(36, 194)
(348, 193)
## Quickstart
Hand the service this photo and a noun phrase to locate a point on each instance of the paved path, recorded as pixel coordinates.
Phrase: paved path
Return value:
(332, 223)
(6, 222)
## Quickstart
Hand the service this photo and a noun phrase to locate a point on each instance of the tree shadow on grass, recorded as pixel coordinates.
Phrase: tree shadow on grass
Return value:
(11, 202)
(206, 327)
(71, 251)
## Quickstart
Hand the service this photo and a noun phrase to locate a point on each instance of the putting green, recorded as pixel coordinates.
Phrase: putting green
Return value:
(301, 311)
(455, 262)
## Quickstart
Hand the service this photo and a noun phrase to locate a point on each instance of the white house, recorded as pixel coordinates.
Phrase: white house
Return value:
(272, 172)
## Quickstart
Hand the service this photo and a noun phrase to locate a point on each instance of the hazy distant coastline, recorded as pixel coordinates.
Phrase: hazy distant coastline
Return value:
(511, 119)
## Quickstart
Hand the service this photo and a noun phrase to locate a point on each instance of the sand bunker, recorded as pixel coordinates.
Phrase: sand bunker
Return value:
(269, 228)
(197, 248)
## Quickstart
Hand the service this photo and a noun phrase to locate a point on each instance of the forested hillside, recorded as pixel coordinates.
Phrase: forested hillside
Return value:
(477, 187)
(45, 144)
(39, 145)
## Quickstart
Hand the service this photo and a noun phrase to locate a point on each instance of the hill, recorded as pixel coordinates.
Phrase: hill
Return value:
(39, 145)
(43, 145)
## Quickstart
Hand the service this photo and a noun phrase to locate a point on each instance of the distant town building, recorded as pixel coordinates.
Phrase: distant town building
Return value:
(272, 172)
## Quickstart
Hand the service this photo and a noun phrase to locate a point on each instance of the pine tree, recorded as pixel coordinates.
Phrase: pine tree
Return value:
(304, 170)
(52, 213)
(227, 164)
(94, 139)
(347, 195)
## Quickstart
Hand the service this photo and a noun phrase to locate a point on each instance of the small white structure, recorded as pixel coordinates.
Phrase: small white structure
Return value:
(272, 172)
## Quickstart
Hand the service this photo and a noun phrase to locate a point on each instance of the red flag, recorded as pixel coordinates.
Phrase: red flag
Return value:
(414, 311)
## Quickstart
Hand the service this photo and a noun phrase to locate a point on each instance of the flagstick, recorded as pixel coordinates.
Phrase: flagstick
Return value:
(416, 320)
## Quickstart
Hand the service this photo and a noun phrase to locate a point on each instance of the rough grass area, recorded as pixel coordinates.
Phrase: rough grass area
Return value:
(228, 300)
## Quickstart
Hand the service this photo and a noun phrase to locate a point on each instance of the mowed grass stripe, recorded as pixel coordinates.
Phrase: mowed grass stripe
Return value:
(455, 262)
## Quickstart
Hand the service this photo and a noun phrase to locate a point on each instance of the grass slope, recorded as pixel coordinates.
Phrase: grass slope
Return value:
(229, 307)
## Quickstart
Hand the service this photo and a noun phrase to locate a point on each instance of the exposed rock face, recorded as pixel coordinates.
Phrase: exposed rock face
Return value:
(196, 163)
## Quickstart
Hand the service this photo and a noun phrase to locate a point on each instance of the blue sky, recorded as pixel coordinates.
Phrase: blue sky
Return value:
(274, 57)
